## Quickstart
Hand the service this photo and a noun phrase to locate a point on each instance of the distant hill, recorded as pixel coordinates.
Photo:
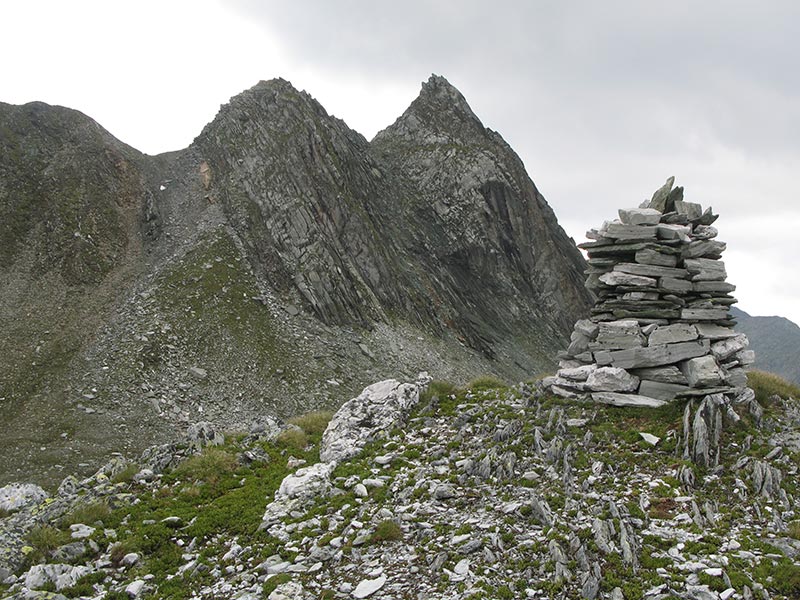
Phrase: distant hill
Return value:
(776, 342)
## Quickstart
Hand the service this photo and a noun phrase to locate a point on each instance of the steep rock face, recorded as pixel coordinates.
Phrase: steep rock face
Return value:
(278, 264)
(298, 186)
(487, 223)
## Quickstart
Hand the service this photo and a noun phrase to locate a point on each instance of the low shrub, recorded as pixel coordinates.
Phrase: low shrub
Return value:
(387, 531)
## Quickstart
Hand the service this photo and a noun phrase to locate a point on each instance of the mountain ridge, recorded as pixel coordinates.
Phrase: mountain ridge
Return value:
(279, 263)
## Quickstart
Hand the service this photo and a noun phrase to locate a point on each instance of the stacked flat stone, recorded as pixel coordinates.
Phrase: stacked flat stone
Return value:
(660, 328)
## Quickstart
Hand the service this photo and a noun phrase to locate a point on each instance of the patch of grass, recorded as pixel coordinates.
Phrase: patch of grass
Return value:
(486, 383)
(88, 514)
(293, 439)
(794, 530)
(4, 513)
(127, 474)
(313, 423)
(210, 467)
(273, 582)
(120, 549)
(43, 539)
(765, 385)
(387, 531)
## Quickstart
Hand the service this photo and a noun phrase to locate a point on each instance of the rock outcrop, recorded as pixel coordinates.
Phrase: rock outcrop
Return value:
(660, 328)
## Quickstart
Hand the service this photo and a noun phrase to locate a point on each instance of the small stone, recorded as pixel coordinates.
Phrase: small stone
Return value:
(650, 438)
(134, 589)
(360, 490)
(368, 587)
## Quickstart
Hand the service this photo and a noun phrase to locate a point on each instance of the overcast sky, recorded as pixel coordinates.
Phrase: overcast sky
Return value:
(602, 100)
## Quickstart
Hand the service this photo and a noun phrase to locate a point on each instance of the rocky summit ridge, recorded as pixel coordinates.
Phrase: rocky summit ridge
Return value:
(427, 490)
(278, 264)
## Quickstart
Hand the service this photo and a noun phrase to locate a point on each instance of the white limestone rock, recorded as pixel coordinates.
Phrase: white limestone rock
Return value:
(379, 408)
(702, 371)
(612, 379)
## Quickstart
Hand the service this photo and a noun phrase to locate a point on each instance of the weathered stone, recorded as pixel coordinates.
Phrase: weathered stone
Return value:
(15, 496)
(380, 407)
(615, 278)
(577, 374)
(618, 231)
(704, 314)
(746, 357)
(650, 256)
(616, 335)
(704, 248)
(660, 390)
(676, 286)
(653, 356)
(726, 348)
(639, 216)
(713, 286)
(612, 379)
(672, 334)
(651, 270)
(691, 210)
(659, 199)
(702, 371)
(736, 377)
(671, 374)
(673, 232)
(715, 332)
(617, 399)
(705, 269)
(587, 328)
(704, 232)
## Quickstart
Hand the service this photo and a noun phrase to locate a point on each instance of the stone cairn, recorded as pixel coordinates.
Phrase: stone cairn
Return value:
(660, 328)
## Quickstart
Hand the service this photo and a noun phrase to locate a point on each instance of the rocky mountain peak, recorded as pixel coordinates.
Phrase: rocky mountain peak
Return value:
(440, 114)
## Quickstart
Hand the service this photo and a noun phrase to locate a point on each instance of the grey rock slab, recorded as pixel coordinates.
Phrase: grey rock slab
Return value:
(621, 231)
(617, 399)
(651, 270)
(616, 278)
(724, 349)
(702, 371)
(715, 332)
(713, 286)
(671, 374)
(612, 379)
(617, 335)
(691, 210)
(672, 334)
(666, 231)
(639, 216)
(704, 314)
(653, 356)
(577, 373)
(675, 286)
(659, 199)
(660, 390)
(651, 256)
(705, 269)
(704, 248)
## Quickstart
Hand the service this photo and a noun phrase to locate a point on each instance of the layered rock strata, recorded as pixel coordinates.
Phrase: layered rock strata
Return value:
(660, 328)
